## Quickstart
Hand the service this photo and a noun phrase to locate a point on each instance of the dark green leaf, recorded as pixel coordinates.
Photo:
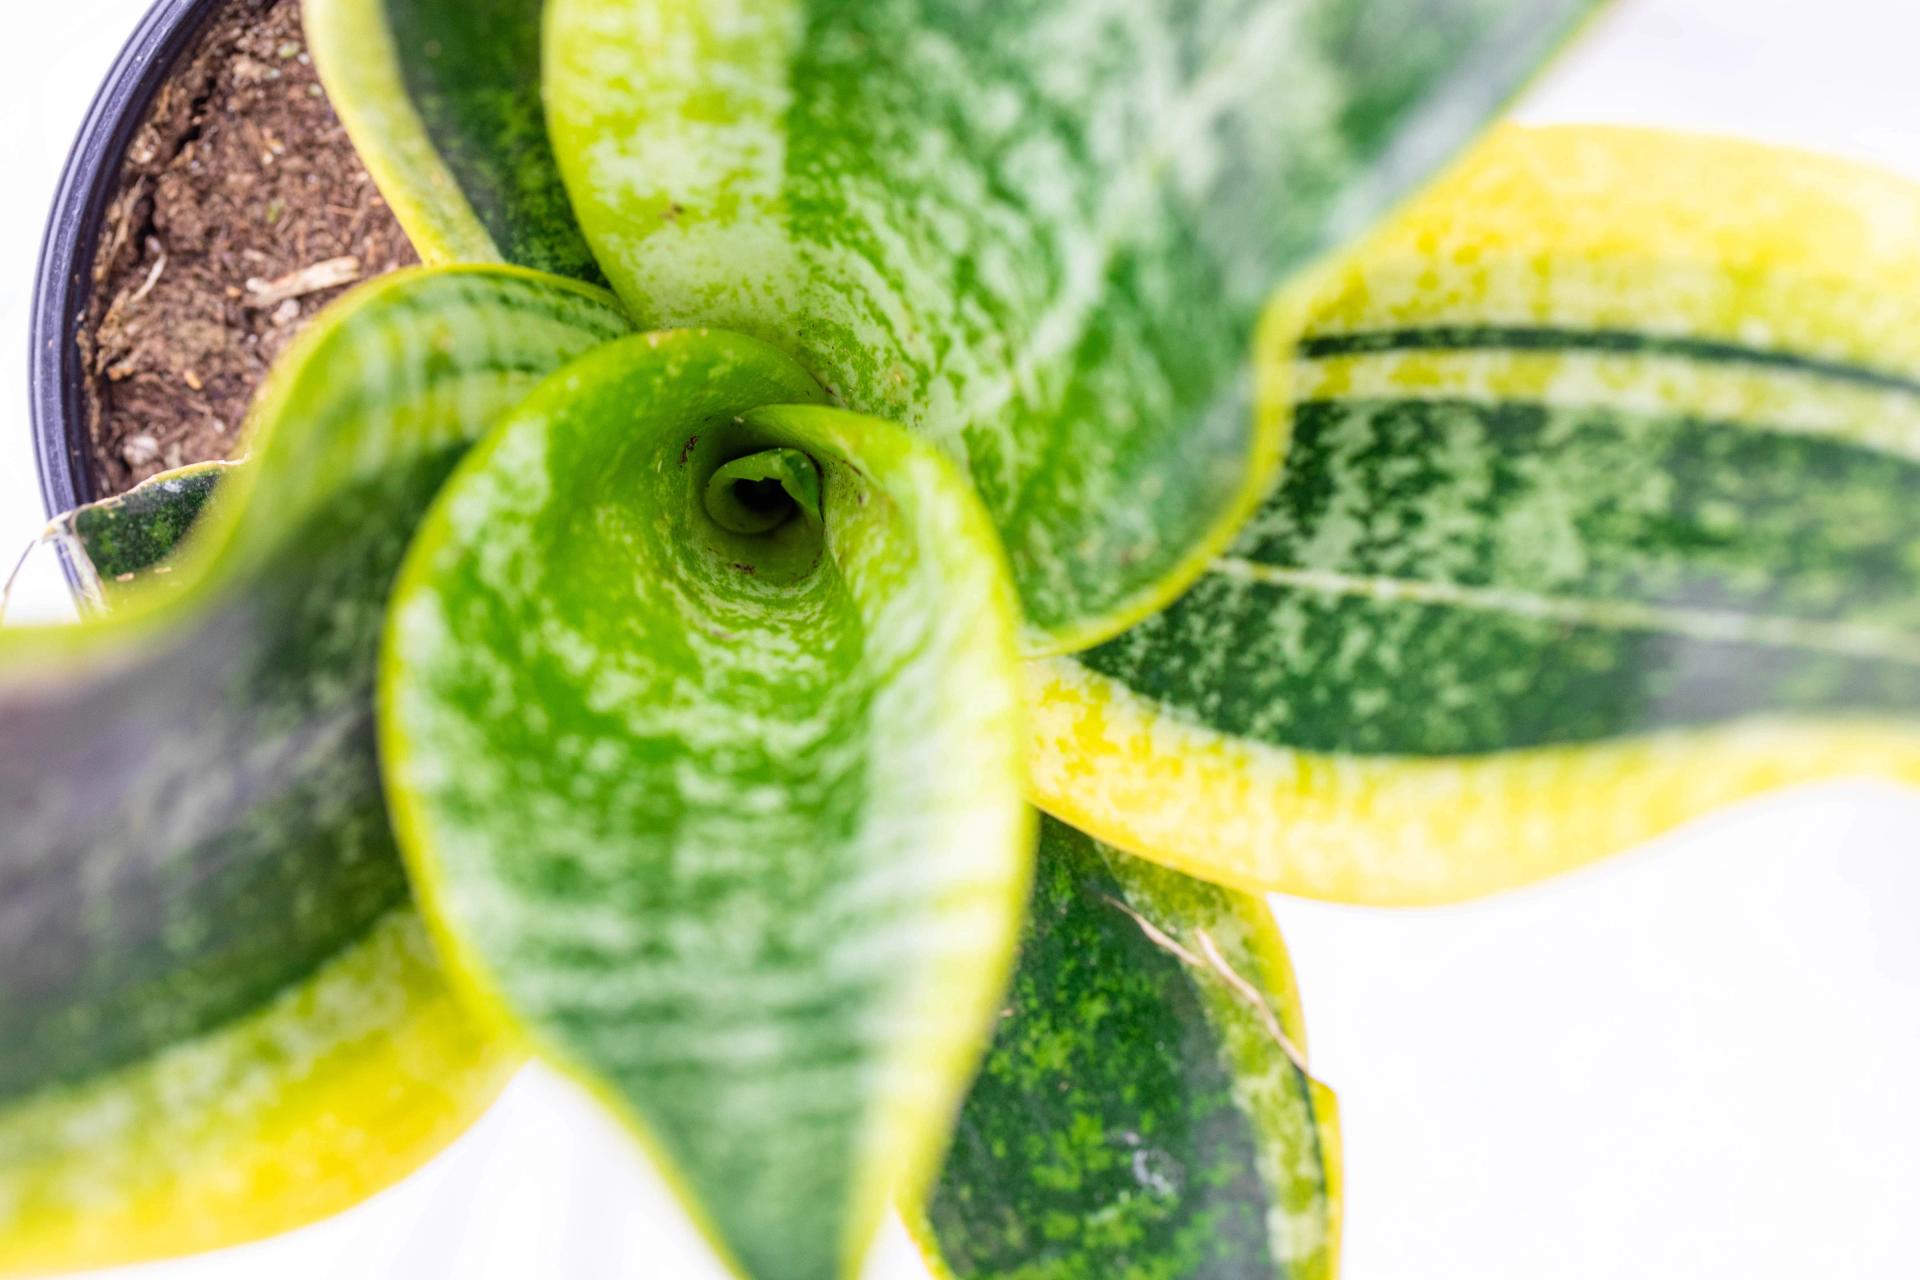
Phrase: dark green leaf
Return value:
(139, 533)
(442, 99)
(1144, 1111)
(209, 957)
(1041, 233)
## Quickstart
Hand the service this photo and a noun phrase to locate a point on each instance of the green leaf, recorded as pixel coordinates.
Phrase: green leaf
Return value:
(442, 100)
(138, 534)
(1598, 515)
(1145, 1110)
(727, 822)
(1041, 234)
(219, 1017)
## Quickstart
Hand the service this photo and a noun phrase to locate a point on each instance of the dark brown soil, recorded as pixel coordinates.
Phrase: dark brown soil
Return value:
(242, 210)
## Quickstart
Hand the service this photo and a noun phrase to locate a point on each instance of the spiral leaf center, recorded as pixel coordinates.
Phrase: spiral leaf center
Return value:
(763, 491)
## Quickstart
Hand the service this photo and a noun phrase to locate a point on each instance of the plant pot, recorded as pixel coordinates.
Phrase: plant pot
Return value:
(63, 286)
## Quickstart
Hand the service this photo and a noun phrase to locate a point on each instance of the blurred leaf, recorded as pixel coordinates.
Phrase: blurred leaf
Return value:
(219, 1017)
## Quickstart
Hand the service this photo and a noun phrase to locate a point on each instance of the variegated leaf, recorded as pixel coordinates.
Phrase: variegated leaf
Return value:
(1598, 514)
(442, 100)
(1145, 1110)
(219, 1016)
(1041, 234)
(139, 534)
(701, 723)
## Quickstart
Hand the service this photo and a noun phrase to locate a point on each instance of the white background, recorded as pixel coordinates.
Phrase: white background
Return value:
(1699, 1061)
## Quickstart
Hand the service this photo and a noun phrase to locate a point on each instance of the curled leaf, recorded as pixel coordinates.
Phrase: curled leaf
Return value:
(1042, 235)
(723, 814)
(218, 1018)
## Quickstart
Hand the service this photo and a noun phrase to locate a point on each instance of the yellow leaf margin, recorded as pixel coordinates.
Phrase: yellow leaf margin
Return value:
(337, 1089)
(1571, 227)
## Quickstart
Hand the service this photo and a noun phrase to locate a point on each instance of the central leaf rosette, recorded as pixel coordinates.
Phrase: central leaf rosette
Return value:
(701, 728)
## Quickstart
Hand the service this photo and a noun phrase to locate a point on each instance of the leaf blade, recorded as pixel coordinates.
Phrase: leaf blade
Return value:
(442, 101)
(1144, 1110)
(1580, 540)
(196, 827)
(726, 823)
(1044, 235)
(335, 1090)
(141, 531)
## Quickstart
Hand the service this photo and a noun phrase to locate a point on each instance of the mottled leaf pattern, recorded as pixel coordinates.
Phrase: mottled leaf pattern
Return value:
(442, 100)
(200, 900)
(1041, 234)
(1597, 514)
(724, 814)
(1145, 1110)
(137, 535)
(700, 717)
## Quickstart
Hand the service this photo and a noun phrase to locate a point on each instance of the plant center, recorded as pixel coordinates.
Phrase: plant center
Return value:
(761, 492)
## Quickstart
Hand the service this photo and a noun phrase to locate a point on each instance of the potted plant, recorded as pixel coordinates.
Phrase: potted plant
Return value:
(655, 678)
(72, 243)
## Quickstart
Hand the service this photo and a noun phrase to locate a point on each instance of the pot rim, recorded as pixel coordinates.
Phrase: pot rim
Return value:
(63, 284)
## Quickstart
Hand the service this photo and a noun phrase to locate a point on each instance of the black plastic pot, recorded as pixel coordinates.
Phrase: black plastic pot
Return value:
(64, 285)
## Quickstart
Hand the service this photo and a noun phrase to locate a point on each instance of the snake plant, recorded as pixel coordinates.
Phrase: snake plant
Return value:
(822, 430)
